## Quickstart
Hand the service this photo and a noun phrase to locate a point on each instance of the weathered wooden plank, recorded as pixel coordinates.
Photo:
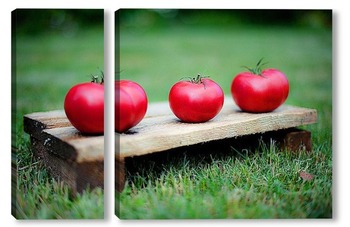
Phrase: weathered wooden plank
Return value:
(119, 174)
(78, 176)
(160, 130)
(59, 137)
(69, 143)
(34, 123)
(69, 156)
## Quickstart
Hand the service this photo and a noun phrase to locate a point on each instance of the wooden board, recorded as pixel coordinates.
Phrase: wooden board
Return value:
(61, 138)
(160, 130)
(76, 159)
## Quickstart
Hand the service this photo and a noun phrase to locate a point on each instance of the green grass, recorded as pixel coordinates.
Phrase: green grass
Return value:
(261, 183)
(46, 66)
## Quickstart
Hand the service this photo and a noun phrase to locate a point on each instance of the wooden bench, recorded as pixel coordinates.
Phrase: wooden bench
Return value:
(78, 159)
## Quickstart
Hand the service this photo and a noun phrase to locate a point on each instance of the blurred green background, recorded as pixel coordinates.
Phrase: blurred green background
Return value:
(52, 50)
(158, 47)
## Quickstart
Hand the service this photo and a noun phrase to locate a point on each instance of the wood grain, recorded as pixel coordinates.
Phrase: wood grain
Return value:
(68, 155)
(161, 130)
(78, 176)
(34, 123)
(59, 137)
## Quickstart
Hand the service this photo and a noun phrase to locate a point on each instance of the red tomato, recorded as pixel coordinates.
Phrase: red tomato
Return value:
(259, 91)
(130, 104)
(197, 100)
(84, 105)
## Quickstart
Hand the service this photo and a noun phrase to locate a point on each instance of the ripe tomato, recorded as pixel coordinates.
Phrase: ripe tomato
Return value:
(259, 91)
(197, 100)
(84, 105)
(130, 104)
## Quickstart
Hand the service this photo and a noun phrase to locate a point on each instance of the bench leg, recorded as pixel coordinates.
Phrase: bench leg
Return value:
(296, 140)
(119, 174)
(78, 176)
(293, 140)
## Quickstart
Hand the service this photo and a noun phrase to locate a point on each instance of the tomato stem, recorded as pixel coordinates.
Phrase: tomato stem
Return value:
(102, 77)
(95, 78)
(258, 68)
(198, 79)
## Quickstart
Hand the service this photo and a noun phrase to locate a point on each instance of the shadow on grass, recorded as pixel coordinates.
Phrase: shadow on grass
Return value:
(152, 166)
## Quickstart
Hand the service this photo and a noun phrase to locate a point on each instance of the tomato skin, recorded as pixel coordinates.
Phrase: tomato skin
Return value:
(131, 104)
(196, 102)
(84, 107)
(260, 93)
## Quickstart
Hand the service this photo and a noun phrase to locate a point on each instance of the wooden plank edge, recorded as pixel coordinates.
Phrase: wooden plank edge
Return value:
(34, 123)
(148, 144)
(68, 143)
(78, 176)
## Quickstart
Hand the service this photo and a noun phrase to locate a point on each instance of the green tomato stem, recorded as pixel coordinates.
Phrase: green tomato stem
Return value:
(95, 78)
(195, 80)
(258, 68)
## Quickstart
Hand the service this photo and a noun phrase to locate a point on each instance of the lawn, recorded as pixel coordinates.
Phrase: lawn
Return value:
(45, 67)
(238, 183)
